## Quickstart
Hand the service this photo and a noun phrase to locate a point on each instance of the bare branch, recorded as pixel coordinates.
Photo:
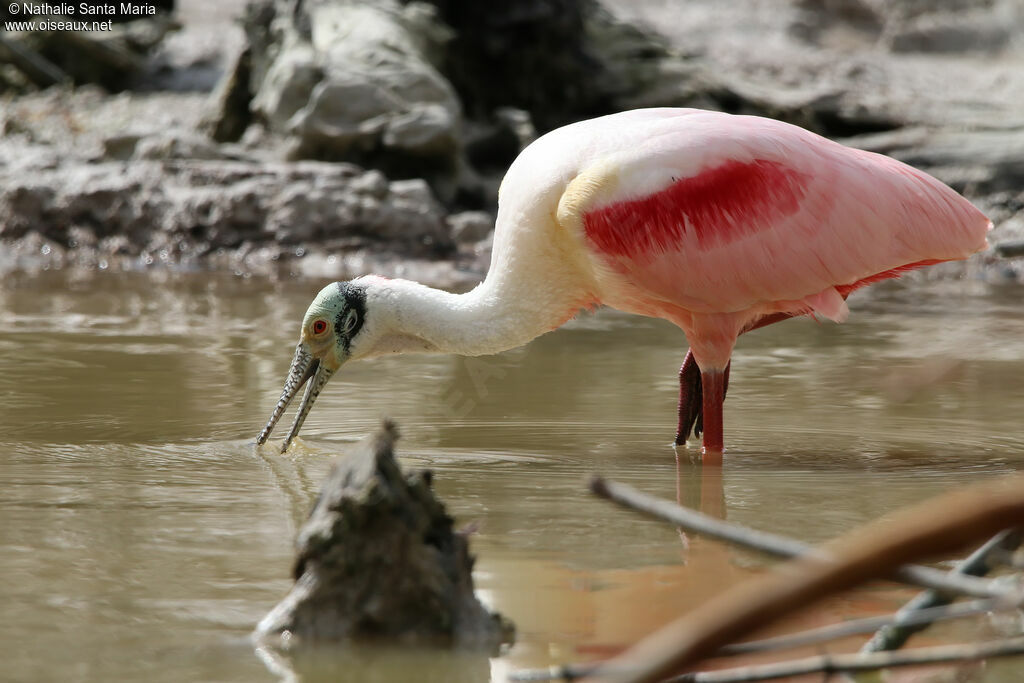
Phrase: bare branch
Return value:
(776, 545)
(940, 654)
(893, 636)
(853, 627)
(940, 525)
(814, 636)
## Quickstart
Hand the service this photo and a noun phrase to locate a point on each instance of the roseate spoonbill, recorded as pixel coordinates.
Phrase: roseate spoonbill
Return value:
(718, 223)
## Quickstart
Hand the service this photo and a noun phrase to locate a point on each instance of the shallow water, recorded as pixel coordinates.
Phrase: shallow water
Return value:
(142, 535)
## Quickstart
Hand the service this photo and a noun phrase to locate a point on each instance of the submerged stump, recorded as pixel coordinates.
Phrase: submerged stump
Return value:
(378, 559)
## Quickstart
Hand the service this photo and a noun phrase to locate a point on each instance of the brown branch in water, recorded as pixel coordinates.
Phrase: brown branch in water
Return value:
(814, 636)
(850, 663)
(940, 525)
(854, 627)
(978, 563)
(776, 545)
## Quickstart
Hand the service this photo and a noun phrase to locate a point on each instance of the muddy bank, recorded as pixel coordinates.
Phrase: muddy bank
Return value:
(346, 137)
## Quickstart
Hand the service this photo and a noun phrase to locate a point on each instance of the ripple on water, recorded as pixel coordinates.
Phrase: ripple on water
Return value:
(143, 530)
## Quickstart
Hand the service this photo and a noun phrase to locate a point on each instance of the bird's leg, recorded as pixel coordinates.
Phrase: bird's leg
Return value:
(713, 390)
(690, 395)
(690, 399)
(698, 427)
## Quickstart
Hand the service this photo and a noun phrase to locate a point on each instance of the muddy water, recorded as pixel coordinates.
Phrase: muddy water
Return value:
(142, 535)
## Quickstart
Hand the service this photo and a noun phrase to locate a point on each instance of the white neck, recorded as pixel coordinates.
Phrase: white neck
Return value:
(536, 282)
(495, 316)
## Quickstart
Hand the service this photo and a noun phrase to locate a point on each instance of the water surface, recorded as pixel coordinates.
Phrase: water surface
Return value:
(142, 535)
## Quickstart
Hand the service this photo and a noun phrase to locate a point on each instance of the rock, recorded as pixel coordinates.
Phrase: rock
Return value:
(470, 226)
(120, 147)
(559, 60)
(817, 17)
(935, 26)
(423, 130)
(960, 32)
(492, 145)
(1010, 248)
(230, 115)
(177, 210)
(379, 84)
(175, 145)
(350, 81)
(378, 559)
(372, 183)
(976, 161)
(415, 190)
(528, 54)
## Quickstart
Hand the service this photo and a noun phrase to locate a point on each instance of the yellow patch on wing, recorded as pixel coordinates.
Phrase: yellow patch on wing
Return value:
(587, 190)
(597, 181)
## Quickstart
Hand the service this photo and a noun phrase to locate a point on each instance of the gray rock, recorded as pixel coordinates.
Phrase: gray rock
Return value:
(470, 226)
(120, 147)
(956, 32)
(379, 559)
(423, 130)
(352, 81)
(229, 114)
(372, 183)
(176, 145)
(195, 207)
(559, 60)
(975, 161)
(413, 190)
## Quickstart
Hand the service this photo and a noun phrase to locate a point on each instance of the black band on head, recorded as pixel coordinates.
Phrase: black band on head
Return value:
(355, 300)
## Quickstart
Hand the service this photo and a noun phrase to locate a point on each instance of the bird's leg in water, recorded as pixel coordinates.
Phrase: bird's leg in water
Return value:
(698, 427)
(713, 390)
(691, 399)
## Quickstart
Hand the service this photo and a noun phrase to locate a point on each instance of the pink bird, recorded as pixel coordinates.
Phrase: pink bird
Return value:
(717, 223)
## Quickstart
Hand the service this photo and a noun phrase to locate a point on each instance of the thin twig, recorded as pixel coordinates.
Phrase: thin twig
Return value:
(855, 627)
(893, 636)
(776, 545)
(940, 525)
(939, 654)
(812, 636)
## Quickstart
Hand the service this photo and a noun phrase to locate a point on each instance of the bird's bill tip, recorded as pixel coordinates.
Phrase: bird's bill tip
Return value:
(319, 374)
(303, 367)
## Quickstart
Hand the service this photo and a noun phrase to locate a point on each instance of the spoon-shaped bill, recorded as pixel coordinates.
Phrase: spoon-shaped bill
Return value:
(303, 367)
(313, 389)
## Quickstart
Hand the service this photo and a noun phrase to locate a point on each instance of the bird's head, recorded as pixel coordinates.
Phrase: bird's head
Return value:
(334, 330)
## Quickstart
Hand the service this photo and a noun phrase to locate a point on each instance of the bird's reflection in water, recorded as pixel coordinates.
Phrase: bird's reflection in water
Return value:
(700, 486)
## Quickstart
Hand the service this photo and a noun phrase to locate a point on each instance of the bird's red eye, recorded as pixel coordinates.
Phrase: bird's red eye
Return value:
(319, 327)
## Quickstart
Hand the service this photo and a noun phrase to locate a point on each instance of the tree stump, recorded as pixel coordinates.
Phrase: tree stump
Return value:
(378, 559)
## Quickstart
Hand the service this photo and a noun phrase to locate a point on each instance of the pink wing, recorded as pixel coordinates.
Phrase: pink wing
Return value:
(754, 213)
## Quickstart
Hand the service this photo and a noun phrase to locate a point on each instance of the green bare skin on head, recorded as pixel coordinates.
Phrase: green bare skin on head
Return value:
(331, 322)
